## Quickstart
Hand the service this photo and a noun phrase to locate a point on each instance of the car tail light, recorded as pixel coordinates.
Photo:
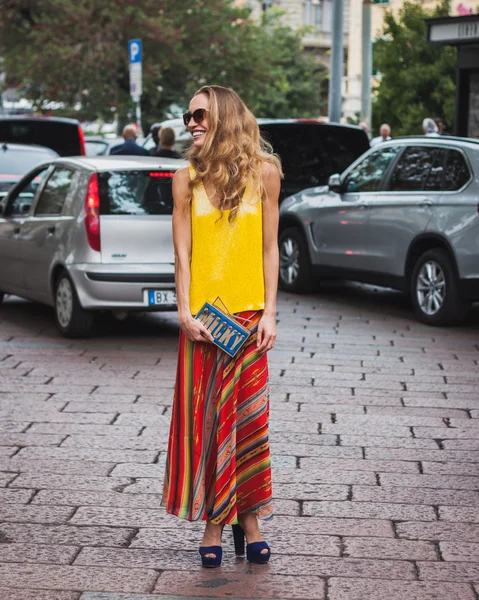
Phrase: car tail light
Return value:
(92, 213)
(161, 174)
(82, 141)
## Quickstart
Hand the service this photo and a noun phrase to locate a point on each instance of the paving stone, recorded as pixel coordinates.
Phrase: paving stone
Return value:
(319, 451)
(452, 571)
(30, 439)
(414, 411)
(441, 530)
(374, 589)
(12, 427)
(66, 467)
(369, 510)
(448, 433)
(452, 468)
(360, 547)
(370, 441)
(109, 407)
(64, 534)
(310, 491)
(121, 517)
(431, 481)
(423, 455)
(390, 419)
(460, 551)
(16, 594)
(92, 454)
(408, 495)
(371, 429)
(89, 498)
(253, 585)
(19, 513)
(123, 399)
(330, 476)
(114, 442)
(72, 482)
(141, 470)
(78, 428)
(359, 465)
(460, 514)
(68, 577)
(37, 553)
(464, 403)
(469, 444)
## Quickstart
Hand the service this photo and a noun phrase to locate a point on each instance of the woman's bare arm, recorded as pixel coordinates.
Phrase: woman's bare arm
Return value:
(267, 325)
(193, 329)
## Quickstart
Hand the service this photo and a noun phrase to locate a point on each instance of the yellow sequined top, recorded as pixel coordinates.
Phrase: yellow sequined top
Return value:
(226, 258)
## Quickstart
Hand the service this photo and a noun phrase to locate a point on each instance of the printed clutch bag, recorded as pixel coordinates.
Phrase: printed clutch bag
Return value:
(228, 334)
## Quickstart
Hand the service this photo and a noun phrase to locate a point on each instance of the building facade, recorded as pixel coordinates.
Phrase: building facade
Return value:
(352, 96)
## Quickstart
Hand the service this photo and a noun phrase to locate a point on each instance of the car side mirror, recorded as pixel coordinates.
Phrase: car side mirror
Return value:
(334, 183)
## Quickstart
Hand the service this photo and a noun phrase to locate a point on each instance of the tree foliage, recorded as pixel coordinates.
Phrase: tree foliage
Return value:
(417, 78)
(75, 51)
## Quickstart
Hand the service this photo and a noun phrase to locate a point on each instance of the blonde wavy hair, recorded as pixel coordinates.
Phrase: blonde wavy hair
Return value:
(234, 153)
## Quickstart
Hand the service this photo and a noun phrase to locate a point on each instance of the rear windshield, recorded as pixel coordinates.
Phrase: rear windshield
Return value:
(311, 152)
(136, 192)
(63, 137)
(19, 162)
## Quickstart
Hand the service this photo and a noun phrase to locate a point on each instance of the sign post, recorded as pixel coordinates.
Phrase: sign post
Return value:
(136, 87)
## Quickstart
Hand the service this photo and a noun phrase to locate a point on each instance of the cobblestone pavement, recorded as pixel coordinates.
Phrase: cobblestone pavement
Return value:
(374, 430)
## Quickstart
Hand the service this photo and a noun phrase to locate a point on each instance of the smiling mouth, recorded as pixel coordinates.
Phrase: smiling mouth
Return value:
(197, 134)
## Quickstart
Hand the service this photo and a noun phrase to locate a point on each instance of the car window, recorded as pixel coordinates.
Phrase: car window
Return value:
(135, 192)
(18, 161)
(55, 192)
(21, 201)
(367, 176)
(419, 168)
(457, 172)
(63, 136)
(310, 153)
(96, 147)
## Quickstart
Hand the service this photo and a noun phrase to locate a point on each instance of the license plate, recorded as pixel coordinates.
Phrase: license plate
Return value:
(161, 298)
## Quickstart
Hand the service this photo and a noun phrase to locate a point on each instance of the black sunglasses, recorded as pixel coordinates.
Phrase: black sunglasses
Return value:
(197, 115)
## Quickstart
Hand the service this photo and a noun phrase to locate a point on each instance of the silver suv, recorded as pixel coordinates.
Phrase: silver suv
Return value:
(404, 215)
(86, 234)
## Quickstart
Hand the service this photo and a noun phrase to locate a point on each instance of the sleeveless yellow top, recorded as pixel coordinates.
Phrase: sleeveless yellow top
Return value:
(226, 258)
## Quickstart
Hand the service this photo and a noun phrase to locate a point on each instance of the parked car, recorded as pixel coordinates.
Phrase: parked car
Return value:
(64, 136)
(96, 235)
(18, 159)
(101, 146)
(310, 150)
(405, 215)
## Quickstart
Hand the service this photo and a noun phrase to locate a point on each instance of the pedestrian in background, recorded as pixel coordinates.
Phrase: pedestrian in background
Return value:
(129, 147)
(225, 227)
(384, 135)
(166, 144)
(441, 127)
(365, 127)
(429, 127)
(155, 133)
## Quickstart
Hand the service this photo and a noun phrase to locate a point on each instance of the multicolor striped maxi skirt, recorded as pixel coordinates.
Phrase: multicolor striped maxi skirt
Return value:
(218, 463)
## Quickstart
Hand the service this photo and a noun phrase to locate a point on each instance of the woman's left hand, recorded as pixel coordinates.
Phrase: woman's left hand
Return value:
(266, 335)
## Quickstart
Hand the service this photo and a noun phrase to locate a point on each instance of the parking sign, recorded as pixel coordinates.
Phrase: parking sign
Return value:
(134, 51)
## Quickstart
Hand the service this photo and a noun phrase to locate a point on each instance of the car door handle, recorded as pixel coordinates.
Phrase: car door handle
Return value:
(16, 230)
(50, 231)
(426, 202)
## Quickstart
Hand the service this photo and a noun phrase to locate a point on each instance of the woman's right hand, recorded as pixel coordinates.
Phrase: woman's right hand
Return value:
(194, 330)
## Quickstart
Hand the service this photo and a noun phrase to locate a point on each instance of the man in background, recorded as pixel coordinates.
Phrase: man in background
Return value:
(167, 142)
(384, 135)
(129, 147)
(155, 132)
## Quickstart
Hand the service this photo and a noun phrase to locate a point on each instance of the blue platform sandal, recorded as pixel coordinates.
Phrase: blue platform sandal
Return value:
(254, 551)
(211, 562)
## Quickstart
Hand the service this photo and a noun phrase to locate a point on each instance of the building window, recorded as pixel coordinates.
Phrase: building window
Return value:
(313, 13)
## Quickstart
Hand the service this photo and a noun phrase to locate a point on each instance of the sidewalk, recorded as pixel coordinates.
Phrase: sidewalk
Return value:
(375, 442)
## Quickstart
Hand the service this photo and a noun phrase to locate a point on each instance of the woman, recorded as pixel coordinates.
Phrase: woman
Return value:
(225, 225)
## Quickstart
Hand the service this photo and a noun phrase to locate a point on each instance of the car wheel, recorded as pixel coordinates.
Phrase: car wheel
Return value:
(294, 264)
(435, 290)
(73, 320)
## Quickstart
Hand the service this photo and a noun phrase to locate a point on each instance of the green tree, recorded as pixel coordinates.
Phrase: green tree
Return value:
(75, 52)
(417, 78)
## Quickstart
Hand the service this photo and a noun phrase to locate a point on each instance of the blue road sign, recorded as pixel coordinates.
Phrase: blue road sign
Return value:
(134, 51)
